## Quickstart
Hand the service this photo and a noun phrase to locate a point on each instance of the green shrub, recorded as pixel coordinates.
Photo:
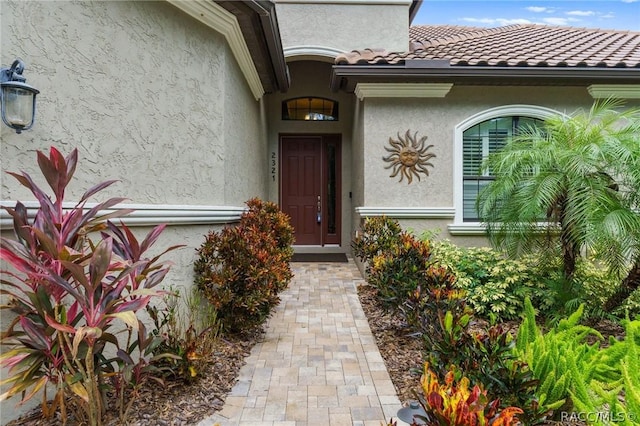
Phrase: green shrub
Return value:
(425, 294)
(597, 285)
(591, 286)
(379, 235)
(495, 285)
(188, 331)
(241, 269)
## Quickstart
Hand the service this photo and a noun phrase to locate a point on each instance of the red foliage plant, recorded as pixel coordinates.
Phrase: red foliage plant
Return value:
(242, 269)
(70, 295)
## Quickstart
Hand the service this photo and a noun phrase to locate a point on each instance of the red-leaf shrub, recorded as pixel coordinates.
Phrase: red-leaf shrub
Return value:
(72, 296)
(242, 268)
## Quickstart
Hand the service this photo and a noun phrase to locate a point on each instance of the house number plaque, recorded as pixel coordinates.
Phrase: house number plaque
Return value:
(273, 165)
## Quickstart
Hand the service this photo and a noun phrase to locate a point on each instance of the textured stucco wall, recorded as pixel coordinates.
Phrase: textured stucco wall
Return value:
(385, 118)
(311, 78)
(149, 96)
(344, 27)
(437, 118)
(245, 159)
(133, 85)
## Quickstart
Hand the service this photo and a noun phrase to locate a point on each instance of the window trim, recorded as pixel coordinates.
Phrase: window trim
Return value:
(459, 227)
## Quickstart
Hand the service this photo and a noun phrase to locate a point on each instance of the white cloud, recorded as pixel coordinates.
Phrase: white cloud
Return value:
(581, 13)
(496, 21)
(609, 15)
(537, 9)
(629, 1)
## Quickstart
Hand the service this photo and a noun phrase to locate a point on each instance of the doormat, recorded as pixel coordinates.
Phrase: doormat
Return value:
(319, 257)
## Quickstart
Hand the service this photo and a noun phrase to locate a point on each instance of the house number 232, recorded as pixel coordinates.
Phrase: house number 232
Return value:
(273, 166)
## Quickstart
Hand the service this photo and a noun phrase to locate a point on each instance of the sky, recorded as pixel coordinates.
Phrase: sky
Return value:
(605, 14)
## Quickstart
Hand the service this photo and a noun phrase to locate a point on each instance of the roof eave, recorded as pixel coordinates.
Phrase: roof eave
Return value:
(259, 26)
(271, 30)
(345, 77)
(413, 10)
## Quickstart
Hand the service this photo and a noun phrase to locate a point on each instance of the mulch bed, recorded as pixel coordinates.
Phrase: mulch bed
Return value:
(403, 355)
(186, 404)
(179, 403)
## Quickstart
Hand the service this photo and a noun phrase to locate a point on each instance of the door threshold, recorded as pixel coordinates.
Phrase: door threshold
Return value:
(319, 249)
(320, 257)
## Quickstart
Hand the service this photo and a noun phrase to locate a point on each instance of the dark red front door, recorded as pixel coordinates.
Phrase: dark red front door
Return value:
(301, 186)
(310, 187)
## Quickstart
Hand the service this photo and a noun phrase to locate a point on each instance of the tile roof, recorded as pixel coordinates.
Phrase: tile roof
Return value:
(510, 46)
(426, 32)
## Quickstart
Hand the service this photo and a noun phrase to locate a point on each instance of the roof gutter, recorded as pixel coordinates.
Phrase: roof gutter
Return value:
(345, 77)
(413, 9)
(267, 13)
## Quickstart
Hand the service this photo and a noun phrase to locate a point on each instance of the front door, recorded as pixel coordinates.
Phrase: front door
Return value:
(310, 187)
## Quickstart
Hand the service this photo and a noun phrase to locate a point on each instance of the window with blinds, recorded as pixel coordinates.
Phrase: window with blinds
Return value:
(477, 143)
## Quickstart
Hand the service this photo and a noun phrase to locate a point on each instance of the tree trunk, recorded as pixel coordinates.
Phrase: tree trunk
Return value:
(570, 249)
(628, 286)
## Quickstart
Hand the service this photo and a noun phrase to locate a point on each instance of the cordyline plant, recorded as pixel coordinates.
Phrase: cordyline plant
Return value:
(72, 296)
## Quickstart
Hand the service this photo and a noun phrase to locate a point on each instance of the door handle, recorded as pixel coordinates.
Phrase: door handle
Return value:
(319, 213)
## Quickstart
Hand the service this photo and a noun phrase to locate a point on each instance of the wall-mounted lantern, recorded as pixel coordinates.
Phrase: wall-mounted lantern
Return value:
(17, 97)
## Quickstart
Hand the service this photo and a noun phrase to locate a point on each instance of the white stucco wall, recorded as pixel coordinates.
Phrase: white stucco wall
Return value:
(437, 118)
(133, 85)
(245, 159)
(345, 25)
(149, 96)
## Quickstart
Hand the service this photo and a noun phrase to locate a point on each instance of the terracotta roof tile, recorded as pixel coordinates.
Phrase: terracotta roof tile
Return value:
(426, 32)
(514, 45)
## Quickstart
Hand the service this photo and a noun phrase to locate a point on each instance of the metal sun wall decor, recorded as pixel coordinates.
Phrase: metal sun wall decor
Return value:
(408, 156)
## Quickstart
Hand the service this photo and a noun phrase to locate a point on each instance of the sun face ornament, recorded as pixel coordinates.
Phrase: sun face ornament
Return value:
(409, 156)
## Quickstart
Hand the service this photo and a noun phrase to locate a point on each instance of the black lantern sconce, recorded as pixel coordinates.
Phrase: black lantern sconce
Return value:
(17, 97)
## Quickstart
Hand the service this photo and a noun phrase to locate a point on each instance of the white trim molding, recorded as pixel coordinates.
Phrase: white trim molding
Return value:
(222, 21)
(402, 90)
(322, 53)
(146, 214)
(469, 228)
(408, 212)
(622, 91)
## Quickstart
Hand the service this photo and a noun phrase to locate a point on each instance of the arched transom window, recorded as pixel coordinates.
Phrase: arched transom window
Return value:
(310, 108)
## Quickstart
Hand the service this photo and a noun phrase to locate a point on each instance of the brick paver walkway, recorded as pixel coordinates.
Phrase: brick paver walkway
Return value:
(318, 364)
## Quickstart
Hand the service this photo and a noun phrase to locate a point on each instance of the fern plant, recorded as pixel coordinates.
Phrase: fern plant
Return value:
(577, 377)
(599, 394)
(548, 356)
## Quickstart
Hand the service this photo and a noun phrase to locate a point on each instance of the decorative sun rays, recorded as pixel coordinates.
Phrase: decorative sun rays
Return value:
(408, 156)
